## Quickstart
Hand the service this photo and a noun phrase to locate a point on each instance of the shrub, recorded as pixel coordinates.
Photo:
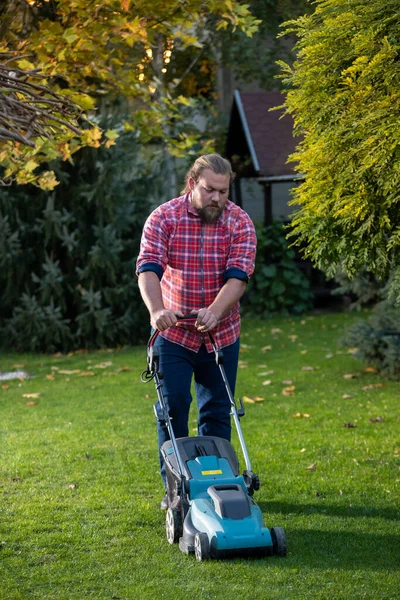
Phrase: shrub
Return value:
(378, 339)
(67, 258)
(278, 284)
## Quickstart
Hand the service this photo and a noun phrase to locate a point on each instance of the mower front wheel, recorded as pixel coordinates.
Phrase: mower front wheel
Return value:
(173, 525)
(201, 546)
(279, 541)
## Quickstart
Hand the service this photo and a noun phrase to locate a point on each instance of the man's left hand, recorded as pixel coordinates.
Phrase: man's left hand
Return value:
(206, 320)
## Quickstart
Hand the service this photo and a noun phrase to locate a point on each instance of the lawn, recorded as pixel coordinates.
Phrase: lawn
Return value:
(80, 490)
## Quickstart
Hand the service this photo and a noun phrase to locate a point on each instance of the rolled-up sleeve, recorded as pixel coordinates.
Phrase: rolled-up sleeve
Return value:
(242, 255)
(153, 246)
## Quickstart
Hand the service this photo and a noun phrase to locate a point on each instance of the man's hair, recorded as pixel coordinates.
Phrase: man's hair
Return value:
(214, 162)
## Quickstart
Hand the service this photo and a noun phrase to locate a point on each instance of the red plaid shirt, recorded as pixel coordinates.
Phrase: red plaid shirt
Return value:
(193, 261)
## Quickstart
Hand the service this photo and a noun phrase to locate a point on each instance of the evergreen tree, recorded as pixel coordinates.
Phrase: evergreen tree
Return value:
(344, 95)
(67, 258)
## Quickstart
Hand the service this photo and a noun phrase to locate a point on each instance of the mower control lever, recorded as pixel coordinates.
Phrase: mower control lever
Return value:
(252, 481)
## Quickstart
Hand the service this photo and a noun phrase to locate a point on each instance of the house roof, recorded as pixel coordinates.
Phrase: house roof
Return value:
(259, 142)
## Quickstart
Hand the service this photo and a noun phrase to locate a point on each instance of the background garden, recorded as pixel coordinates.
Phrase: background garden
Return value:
(100, 106)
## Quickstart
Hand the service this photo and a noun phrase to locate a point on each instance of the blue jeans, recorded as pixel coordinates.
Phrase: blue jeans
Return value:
(178, 365)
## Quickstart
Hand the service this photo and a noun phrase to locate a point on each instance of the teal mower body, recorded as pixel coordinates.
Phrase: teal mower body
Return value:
(211, 511)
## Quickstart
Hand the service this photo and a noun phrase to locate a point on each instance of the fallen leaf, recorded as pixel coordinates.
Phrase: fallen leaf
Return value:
(72, 486)
(312, 467)
(287, 382)
(18, 366)
(35, 395)
(307, 368)
(67, 372)
(329, 356)
(102, 365)
(248, 400)
(352, 350)
(31, 403)
(293, 338)
(286, 393)
(50, 377)
(267, 382)
(347, 396)
(370, 370)
(5, 387)
(87, 374)
(372, 386)
(290, 388)
(265, 373)
(349, 376)
(302, 450)
(275, 331)
(266, 348)
(301, 415)
(376, 420)
(125, 369)
(349, 425)
(303, 351)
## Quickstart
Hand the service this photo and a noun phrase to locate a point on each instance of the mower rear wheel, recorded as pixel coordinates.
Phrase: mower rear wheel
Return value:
(279, 541)
(201, 546)
(173, 525)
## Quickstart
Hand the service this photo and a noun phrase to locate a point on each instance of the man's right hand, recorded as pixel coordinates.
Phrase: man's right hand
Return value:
(164, 318)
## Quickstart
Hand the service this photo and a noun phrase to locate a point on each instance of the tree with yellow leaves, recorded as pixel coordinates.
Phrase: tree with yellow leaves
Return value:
(85, 52)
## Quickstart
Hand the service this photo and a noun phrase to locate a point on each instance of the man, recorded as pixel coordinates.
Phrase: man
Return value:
(197, 254)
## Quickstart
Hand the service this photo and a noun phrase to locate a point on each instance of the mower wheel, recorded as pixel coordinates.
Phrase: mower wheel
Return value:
(201, 546)
(173, 525)
(279, 541)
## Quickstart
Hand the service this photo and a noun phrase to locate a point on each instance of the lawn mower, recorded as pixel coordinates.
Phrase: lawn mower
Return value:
(211, 508)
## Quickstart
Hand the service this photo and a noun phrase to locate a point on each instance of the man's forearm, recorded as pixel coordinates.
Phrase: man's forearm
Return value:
(227, 297)
(150, 289)
(160, 317)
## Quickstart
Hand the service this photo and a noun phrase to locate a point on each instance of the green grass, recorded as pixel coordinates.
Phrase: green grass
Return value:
(80, 490)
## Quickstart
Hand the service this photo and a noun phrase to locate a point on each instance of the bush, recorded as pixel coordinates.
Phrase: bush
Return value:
(362, 290)
(67, 258)
(278, 285)
(378, 339)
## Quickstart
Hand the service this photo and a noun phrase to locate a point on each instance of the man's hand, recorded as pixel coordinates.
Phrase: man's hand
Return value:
(164, 318)
(206, 320)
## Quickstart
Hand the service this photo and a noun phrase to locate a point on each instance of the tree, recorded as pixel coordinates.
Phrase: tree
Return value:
(344, 95)
(90, 51)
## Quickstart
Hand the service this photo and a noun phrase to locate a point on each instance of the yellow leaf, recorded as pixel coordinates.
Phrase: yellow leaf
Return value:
(248, 400)
(48, 181)
(35, 395)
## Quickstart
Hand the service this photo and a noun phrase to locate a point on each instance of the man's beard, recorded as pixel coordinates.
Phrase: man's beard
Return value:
(210, 214)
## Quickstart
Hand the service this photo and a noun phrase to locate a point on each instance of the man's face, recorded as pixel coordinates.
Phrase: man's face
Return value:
(209, 195)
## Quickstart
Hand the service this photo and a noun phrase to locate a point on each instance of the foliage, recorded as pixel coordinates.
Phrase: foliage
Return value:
(344, 95)
(364, 289)
(68, 257)
(242, 53)
(89, 51)
(277, 285)
(377, 340)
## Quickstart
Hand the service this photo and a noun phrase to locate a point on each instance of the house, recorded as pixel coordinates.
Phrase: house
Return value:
(259, 142)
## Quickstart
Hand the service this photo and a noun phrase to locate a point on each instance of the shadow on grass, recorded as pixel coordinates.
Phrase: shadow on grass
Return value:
(340, 548)
(389, 514)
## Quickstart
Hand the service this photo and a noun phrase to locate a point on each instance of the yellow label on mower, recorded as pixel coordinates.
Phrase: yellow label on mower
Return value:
(217, 472)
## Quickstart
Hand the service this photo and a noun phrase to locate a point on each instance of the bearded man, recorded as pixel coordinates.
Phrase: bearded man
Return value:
(197, 254)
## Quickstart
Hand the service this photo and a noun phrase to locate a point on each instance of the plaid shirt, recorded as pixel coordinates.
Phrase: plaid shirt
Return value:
(193, 261)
